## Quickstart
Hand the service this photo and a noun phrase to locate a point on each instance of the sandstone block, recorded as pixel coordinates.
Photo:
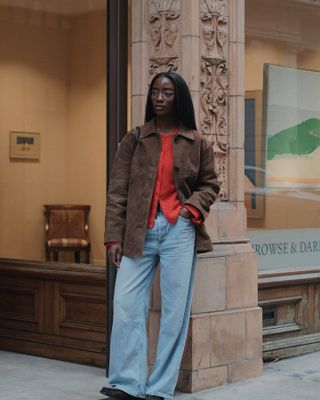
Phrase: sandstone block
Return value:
(242, 286)
(236, 185)
(227, 338)
(190, 17)
(236, 121)
(245, 369)
(139, 62)
(194, 381)
(197, 350)
(237, 17)
(254, 333)
(210, 285)
(232, 221)
(236, 85)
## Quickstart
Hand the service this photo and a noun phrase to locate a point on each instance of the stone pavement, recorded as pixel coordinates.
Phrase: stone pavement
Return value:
(24, 377)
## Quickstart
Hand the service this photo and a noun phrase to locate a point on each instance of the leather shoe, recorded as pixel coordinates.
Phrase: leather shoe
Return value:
(151, 397)
(117, 394)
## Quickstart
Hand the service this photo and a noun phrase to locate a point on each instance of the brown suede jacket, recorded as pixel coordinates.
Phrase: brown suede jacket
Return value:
(133, 178)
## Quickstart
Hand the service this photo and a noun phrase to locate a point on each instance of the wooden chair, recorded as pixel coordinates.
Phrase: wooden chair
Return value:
(67, 229)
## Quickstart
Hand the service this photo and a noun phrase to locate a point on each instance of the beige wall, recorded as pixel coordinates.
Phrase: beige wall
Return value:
(276, 36)
(259, 52)
(33, 97)
(86, 123)
(44, 89)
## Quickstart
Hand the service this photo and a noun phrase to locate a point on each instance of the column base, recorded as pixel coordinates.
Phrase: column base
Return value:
(208, 378)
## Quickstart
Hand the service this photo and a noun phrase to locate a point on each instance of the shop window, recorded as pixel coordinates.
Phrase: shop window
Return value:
(52, 121)
(282, 132)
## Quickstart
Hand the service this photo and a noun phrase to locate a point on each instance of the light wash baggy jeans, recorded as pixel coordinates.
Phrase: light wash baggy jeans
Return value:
(173, 248)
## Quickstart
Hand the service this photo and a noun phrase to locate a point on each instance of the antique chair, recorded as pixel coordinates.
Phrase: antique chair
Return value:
(67, 229)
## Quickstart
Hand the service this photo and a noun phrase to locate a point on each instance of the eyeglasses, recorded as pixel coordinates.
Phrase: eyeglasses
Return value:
(164, 92)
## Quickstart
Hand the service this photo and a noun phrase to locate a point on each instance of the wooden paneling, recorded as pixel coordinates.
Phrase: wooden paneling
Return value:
(81, 312)
(59, 311)
(287, 315)
(21, 303)
(53, 310)
(317, 308)
(18, 303)
(290, 301)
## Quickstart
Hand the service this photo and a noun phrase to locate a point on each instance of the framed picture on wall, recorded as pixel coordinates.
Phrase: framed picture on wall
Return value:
(292, 127)
(24, 145)
(254, 156)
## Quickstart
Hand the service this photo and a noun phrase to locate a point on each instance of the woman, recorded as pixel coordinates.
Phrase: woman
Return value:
(161, 189)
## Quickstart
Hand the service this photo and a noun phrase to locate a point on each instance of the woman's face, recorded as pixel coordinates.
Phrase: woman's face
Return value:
(163, 97)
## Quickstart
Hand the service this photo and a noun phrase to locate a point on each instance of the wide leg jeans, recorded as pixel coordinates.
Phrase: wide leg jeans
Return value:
(172, 247)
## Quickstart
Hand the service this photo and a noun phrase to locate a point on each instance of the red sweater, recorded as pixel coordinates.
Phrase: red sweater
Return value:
(165, 192)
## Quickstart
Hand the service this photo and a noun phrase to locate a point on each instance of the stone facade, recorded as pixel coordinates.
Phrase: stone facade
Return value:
(203, 40)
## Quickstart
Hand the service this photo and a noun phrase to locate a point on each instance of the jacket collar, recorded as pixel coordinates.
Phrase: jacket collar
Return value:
(149, 128)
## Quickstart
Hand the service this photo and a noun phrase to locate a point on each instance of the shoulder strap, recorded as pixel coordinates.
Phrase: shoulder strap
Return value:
(137, 134)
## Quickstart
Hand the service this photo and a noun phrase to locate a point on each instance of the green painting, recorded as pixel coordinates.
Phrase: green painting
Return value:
(297, 140)
(292, 127)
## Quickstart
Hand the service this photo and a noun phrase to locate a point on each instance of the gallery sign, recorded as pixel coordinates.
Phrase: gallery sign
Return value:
(281, 248)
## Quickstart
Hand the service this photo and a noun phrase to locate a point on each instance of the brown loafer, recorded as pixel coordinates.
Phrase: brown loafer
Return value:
(117, 394)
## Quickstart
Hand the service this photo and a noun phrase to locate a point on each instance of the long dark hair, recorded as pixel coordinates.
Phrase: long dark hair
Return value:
(184, 109)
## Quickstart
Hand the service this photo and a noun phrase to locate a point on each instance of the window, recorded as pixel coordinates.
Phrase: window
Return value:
(53, 89)
(282, 134)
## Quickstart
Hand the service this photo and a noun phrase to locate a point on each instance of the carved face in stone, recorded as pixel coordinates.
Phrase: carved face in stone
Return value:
(163, 97)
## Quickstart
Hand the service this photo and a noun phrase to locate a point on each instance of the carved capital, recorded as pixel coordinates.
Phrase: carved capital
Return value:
(214, 28)
(163, 22)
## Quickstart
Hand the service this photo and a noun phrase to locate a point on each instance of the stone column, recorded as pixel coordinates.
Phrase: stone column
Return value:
(203, 40)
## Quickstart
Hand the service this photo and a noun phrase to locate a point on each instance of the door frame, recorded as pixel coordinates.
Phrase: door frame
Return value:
(117, 107)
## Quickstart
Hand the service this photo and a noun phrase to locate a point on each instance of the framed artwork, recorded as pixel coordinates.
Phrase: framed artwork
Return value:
(24, 145)
(292, 127)
(254, 157)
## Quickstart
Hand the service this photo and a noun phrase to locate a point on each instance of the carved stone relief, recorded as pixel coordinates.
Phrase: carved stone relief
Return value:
(163, 21)
(214, 82)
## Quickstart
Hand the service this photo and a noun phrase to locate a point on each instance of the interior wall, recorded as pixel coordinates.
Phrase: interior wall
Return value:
(259, 52)
(282, 35)
(52, 79)
(86, 132)
(33, 97)
(279, 34)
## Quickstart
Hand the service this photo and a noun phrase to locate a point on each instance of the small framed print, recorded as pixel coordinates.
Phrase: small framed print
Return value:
(24, 145)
